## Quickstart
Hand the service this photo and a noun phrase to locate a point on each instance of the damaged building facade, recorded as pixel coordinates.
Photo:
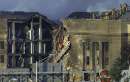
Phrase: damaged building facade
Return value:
(25, 37)
(28, 37)
(97, 40)
(86, 43)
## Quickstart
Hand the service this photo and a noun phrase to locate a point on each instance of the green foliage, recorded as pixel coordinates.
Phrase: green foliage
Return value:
(115, 71)
(119, 65)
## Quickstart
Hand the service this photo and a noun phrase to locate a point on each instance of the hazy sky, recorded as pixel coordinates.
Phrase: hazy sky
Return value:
(56, 9)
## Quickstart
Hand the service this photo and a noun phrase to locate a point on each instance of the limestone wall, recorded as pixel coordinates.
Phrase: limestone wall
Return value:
(3, 37)
(95, 30)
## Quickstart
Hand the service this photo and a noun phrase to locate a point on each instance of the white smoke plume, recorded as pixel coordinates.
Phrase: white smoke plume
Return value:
(56, 9)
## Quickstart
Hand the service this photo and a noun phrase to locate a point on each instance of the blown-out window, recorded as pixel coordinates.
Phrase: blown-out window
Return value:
(1, 58)
(105, 57)
(1, 44)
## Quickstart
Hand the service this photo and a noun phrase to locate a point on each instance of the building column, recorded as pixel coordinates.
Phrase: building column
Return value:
(84, 55)
(97, 58)
(88, 54)
(20, 78)
(100, 54)
(94, 60)
(13, 45)
(94, 55)
(31, 42)
(40, 35)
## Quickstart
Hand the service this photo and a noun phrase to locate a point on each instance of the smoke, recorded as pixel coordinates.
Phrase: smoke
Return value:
(107, 5)
(56, 9)
(104, 5)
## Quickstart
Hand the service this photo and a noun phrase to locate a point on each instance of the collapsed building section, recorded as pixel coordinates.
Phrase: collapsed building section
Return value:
(61, 44)
(86, 43)
(29, 37)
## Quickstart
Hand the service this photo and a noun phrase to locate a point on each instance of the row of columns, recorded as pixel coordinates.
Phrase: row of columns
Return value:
(91, 47)
(96, 55)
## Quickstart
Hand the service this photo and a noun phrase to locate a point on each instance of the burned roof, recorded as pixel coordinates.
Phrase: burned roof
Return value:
(83, 15)
(79, 15)
(23, 16)
(18, 14)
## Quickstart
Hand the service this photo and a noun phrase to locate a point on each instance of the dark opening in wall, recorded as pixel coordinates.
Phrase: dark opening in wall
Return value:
(2, 45)
(2, 59)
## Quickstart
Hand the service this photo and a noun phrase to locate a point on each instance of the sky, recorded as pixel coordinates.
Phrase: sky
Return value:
(58, 9)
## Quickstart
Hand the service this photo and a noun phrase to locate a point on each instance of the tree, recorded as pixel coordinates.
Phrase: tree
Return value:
(120, 64)
(115, 71)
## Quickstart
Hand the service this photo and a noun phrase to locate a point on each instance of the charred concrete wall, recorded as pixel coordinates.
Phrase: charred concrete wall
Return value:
(28, 37)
